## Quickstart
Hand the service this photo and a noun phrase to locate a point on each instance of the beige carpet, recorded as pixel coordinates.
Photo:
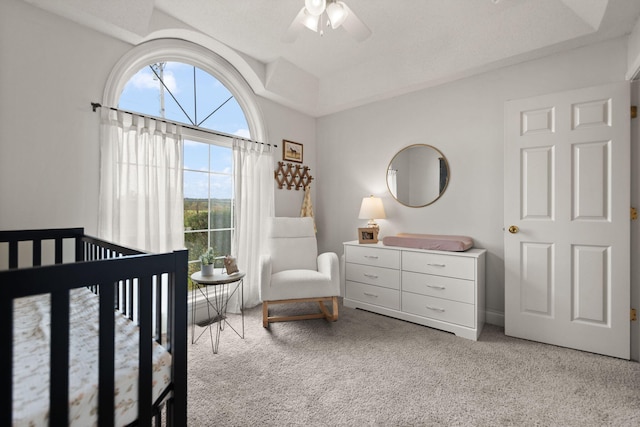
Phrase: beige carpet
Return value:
(367, 369)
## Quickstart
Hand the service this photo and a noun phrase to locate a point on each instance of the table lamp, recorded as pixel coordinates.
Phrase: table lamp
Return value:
(372, 209)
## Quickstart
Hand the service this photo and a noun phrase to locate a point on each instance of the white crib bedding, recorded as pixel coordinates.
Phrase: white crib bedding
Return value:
(31, 362)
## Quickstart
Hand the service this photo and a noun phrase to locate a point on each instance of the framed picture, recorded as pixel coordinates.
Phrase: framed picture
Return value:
(291, 151)
(367, 235)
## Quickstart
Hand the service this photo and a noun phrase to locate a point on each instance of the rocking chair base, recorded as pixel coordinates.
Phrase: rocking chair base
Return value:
(324, 311)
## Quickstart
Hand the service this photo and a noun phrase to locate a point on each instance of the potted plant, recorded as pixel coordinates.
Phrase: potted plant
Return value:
(206, 262)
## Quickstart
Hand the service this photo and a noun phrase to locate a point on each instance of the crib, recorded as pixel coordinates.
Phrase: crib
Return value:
(98, 331)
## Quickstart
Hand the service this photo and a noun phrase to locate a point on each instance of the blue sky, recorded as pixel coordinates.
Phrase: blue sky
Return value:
(142, 94)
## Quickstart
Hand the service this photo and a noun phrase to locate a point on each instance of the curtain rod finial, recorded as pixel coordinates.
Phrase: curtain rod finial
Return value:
(95, 106)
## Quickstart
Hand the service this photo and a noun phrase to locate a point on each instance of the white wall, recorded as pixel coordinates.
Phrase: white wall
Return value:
(51, 70)
(635, 225)
(633, 51)
(464, 119)
(284, 123)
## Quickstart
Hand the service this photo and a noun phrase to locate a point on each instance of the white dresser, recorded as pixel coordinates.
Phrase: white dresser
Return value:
(443, 290)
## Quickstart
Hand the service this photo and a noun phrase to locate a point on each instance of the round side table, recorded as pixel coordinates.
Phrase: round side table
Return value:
(223, 287)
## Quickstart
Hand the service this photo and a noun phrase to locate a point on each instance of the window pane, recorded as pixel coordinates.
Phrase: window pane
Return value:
(175, 101)
(221, 159)
(196, 185)
(212, 96)
(178, 78)
(141, 93)
(221, 243)
(196, 215)
(221, 186)
(196, 243)
(220, 214)
(228, 119)
(196, 155)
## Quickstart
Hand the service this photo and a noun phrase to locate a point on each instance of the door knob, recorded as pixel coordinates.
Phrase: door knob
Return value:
(513, 229)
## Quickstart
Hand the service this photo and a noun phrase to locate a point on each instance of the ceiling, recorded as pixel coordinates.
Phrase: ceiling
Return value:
(414, 43)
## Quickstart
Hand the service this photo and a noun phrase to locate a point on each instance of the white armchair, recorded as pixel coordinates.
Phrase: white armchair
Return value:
(293, 272)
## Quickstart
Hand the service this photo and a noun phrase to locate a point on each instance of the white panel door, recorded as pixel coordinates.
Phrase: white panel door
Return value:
(566, 209)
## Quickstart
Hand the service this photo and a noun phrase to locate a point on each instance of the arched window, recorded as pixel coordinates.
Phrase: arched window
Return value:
(186, 94)
(185, 83)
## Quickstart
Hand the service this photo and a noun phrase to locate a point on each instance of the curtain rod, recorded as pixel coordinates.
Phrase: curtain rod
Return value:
(96, 105)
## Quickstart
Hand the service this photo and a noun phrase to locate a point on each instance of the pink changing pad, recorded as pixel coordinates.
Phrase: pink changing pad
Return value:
(430, 241)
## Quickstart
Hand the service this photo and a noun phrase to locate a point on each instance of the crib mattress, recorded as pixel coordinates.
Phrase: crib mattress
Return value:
(31, 362)
(438, 242)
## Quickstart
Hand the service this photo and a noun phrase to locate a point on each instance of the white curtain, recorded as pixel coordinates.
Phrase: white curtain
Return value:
(254, 201)
(141, 196)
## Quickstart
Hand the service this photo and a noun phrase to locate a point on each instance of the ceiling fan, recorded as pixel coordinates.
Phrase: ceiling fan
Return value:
(338, 14)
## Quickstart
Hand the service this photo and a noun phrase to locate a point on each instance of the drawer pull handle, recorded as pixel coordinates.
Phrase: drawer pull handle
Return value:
(436, 287)
(437, 265)
(371, 256)
(370, 276)
(441, 310)
(371, 295)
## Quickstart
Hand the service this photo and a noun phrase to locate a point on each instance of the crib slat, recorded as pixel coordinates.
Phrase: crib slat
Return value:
(178, 344)
(106, 361)
(79, 249)
(145, 374)
(58, 250)
(158, 310)
(6, 353)
(13, 254)
(37, 252)
(59, 351)
(128, 306)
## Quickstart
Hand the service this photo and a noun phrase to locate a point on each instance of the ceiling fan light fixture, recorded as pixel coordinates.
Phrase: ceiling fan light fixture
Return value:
(315, 7)
(337, 13)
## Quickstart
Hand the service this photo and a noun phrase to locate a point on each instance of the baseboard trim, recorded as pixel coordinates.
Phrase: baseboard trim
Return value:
(494, 317)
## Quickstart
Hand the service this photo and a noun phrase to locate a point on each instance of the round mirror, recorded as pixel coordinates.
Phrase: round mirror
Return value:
(418, 175)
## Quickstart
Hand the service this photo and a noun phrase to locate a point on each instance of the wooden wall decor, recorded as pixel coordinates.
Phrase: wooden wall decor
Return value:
(292, 176)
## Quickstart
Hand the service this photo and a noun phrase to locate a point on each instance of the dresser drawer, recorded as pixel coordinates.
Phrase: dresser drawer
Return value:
(376, 295)
(439, 308)
(438, 286)
(442, 265)
(373, 256)
(386, 277)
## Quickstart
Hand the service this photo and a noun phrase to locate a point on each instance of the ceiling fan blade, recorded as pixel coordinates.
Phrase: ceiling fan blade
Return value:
(294, 29)
(355, 26)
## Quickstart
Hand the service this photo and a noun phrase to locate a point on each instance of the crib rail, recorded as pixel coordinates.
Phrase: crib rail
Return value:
(36, 238)
(86, 248)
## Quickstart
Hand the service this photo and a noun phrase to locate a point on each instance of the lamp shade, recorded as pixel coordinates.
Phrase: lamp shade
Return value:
(372, 208)
(337, 14)
(310, 21)
(315, 7)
